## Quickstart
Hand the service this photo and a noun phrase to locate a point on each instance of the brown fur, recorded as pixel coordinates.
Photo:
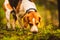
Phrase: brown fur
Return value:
(9, 7)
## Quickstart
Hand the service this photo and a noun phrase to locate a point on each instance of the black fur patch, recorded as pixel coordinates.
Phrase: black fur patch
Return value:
(13, 3)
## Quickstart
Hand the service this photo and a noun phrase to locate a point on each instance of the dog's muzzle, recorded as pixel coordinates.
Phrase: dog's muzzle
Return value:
(34, 29)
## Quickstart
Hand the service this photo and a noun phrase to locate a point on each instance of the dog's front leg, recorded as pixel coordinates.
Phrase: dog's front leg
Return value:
(8, 18)
(14, 20)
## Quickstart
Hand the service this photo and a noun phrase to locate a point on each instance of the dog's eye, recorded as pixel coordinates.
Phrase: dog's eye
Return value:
(36, 23)
(30, 24)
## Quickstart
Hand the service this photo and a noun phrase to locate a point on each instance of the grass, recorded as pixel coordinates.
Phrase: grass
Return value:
(20, 34)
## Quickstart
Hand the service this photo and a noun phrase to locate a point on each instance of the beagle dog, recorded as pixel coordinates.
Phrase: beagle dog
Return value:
(30, 15)
(23, 9)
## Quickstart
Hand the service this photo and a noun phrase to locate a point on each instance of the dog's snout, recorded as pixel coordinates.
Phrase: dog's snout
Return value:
(34, 29)
(34, 32)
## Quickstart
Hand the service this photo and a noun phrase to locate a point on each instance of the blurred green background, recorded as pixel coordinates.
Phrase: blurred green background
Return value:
(48, 28)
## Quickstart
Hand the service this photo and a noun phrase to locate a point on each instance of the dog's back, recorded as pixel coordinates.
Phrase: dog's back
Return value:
(26, 4)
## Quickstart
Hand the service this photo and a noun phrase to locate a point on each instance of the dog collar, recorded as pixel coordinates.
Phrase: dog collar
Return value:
(31, 9)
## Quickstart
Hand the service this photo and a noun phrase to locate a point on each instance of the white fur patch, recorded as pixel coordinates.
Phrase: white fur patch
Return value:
(26, 4)
(33, 21)
(34, 27)
(6, 2)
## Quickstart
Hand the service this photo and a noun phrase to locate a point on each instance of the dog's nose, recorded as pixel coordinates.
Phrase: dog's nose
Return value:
(34, 32)
(34, 29)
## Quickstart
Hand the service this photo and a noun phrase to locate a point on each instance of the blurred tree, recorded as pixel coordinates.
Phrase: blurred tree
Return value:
(54, 12)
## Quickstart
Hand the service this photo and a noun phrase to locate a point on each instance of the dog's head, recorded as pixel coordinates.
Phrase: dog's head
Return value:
(33, 20)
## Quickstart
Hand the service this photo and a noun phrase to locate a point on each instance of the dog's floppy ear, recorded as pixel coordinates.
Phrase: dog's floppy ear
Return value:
(39, 19)
(26, 18)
